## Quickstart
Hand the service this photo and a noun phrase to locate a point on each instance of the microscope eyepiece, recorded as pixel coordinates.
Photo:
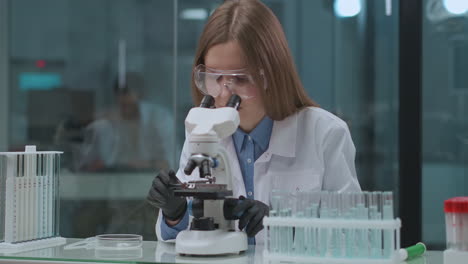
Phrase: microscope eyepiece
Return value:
(234, 101)
(207, 101)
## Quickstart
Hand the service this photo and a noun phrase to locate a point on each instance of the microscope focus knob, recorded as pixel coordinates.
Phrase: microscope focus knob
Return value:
(203, 224)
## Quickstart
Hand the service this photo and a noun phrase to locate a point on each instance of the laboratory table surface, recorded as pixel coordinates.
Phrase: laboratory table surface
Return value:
(153, 252)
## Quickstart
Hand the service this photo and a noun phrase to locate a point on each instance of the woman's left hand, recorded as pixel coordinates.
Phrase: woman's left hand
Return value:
(251, 215)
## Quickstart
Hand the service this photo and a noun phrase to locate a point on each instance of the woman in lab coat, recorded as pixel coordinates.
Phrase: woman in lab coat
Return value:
(284, 141)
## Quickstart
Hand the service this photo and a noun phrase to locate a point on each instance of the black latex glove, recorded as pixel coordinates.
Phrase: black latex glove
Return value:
(161, 196)
(251, 213)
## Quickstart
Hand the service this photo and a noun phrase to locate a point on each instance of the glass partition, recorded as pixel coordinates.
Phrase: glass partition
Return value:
(108, 83)
(444, 112)
(95, 79)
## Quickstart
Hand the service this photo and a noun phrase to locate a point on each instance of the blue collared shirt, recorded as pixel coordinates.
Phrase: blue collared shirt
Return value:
(249, 147)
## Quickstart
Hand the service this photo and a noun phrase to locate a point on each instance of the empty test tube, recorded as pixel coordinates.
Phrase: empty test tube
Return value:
(387, 214)
(323, 232)
(312, 232)
(375, 234)
(361, 234)
(348, 233)
(284, 235)
(274, 230)
(334, 240)
(288, 231)
(300, 232)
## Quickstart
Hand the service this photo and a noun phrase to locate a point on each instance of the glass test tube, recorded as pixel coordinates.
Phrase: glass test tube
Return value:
(274, 230)
(387, 214)
(375, 234)
(334, 241)
(348, 233)
(299, 232)
(287, 237)
(312, 232)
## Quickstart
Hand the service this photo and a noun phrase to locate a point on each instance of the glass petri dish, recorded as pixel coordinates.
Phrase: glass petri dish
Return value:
(118, 241)
(120, 254)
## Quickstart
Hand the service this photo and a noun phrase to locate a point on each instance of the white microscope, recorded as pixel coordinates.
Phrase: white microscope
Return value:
(212, 230)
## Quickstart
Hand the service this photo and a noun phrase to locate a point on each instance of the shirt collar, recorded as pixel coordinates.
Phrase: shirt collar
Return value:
(238, 138)
(282, 141)
(260, 134)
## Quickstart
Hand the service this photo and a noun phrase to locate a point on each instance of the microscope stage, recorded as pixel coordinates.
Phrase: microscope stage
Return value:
(204, 194)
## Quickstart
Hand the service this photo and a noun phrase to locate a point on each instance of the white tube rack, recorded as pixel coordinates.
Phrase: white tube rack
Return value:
(9, 248)
(29, 200)
(342, 227)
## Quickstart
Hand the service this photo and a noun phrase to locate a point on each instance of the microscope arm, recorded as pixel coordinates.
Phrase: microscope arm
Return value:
(224, 166)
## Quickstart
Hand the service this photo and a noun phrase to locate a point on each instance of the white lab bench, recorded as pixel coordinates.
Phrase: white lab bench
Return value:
(155, 252)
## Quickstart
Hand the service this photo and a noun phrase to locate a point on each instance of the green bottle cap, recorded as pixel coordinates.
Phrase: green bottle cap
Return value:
(416, 250)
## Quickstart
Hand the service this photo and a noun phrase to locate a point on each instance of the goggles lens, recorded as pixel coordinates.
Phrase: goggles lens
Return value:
(212, 82)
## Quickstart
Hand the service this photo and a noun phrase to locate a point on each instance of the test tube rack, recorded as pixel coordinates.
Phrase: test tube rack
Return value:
(340, 228)
(29, 200)
(334, 233)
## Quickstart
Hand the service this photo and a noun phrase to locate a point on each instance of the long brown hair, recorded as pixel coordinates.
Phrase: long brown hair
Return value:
(259, 34)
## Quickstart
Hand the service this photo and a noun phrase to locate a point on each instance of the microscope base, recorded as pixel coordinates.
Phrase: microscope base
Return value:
(215, 242)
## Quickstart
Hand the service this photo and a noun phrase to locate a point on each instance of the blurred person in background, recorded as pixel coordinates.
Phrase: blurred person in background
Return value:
(127, 136)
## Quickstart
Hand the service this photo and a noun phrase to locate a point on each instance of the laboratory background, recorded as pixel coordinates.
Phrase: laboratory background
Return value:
(398, 76)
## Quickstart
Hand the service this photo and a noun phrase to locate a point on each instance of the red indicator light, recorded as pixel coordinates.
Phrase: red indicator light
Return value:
(40, 63)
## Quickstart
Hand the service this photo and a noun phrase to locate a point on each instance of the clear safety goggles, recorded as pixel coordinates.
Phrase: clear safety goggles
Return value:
(212, 81)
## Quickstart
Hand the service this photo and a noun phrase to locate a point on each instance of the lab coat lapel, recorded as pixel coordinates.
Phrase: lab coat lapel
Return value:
(282, 140)
(237, 179)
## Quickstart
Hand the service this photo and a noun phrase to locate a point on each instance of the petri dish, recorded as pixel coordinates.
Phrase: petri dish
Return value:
(118, 241)
(120, 254)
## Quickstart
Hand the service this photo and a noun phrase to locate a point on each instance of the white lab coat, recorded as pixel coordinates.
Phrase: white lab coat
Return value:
(309, 150)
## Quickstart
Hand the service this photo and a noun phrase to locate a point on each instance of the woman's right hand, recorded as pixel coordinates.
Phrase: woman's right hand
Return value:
(161, 196)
